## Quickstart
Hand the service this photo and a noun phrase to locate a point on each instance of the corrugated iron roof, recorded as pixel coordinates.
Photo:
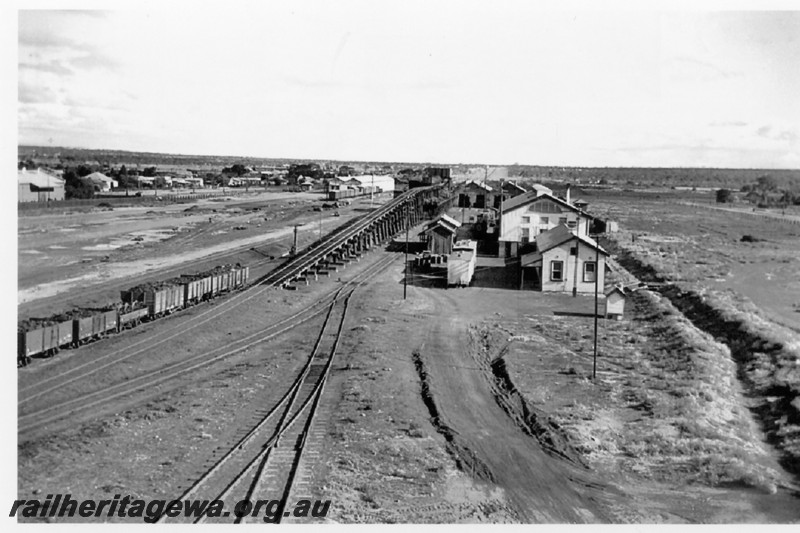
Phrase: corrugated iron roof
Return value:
(98, 176)
(477, 184)
(531, 197)
(559, 235)
(39, 178)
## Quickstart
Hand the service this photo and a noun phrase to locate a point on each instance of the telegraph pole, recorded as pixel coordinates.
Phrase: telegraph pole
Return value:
(405, 277)
(596, 287)
(294, 246)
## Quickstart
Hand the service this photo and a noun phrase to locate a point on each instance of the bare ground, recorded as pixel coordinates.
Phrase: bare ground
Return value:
(436, 418)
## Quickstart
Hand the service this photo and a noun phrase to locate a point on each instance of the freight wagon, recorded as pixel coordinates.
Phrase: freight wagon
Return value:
(163, 299)
(42, 337)
(461, 263)
(93, 324)
(132, 316)
(352, 193)
(142, 302)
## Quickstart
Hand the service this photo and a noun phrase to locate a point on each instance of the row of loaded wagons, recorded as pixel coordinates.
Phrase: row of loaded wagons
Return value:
(366, 190)
(145, 302)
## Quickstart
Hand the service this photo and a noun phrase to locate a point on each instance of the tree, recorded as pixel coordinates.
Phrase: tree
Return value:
(767, 183)
(149, 172)
(75, 187)
(83, 170)
(724, 196)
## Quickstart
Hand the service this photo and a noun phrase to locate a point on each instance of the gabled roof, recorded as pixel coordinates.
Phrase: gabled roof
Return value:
(38, 178)
(477, 184)
(433, 226)
(541, 189)
(552, 238)
(555, 237)
(98, 176)
(444, 221)
(513, 185)
(615, 288)
(561, 234)
(450, 220)
(531, 197)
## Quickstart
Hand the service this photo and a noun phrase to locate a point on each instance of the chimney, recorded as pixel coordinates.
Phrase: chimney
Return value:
(568, 200)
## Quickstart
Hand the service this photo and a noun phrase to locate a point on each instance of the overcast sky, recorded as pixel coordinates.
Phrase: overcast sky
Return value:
(487, 82)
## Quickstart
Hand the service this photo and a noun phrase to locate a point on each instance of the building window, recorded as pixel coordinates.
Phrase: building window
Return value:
(562, 220)
(526, 220)
(573, 250)
(545, 220)
(526, 234)
(557, 271)
(572, 224)
(589, 271)
(544, 206)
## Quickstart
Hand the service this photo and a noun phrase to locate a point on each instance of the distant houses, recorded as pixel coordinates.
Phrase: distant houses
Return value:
(100, 182)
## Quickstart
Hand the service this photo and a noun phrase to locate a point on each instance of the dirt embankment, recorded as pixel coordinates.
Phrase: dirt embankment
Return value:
(465, 459)
(767, 358)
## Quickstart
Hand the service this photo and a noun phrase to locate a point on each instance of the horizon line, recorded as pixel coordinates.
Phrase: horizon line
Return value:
(19, 146)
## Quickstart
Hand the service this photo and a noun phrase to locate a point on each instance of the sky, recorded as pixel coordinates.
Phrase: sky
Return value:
(442, 82)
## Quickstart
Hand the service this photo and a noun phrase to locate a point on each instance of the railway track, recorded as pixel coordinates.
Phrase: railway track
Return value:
(43, 402)
(38, 418)
(307, 259)
(263, 464)
(69, 375)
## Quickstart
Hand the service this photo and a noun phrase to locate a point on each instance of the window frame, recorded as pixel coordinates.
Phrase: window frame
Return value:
(560, 264)
(594, 266)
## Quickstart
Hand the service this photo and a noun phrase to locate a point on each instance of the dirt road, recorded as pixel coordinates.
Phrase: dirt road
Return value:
(542, 488)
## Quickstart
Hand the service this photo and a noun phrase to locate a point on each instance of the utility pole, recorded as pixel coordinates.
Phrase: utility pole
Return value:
(294, 245)
(405, 277)
(500, 221)
(596, 287)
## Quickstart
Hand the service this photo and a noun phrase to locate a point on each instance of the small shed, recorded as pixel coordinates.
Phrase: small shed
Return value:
(615, 302)
(440, 235)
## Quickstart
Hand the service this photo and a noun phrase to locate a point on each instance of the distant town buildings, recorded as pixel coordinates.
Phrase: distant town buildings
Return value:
(100, 182)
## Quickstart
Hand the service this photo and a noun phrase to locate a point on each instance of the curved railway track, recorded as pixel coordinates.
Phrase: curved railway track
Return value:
(278, 277)
(32, 416)
(36, 419)
(263, 464)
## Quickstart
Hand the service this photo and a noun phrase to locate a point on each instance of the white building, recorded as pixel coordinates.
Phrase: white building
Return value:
(100, 182)
(530, 214)
(565, 262)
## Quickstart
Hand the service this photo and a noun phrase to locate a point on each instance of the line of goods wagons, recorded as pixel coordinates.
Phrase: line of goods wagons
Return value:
(352, 193)
(148, 301)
